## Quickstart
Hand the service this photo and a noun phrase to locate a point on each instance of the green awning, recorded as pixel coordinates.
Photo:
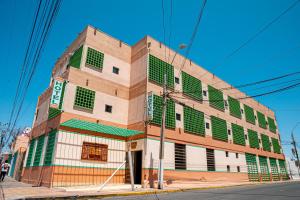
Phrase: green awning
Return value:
(100, 128)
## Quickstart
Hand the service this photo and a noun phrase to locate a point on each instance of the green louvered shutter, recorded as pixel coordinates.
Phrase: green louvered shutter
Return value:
(272, 126)
(261, 120)
(157, 69)
(193, 121)
(84, 98)
(276, 146)
(53, 112)
(264, 169)
(216, 99)
(94, 59)
(238, 134)
(191, 86)
(249, 113)
(39, 150)
(157, 112)
(265, 142)
(30, 153)
(50, 148)
(234, 107)
(252, 167)
(253, 139)
(283, 171)
(274, 169)
(219, 129)
(75, 59)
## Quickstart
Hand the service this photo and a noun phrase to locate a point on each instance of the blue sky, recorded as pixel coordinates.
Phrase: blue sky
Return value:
(224, 26)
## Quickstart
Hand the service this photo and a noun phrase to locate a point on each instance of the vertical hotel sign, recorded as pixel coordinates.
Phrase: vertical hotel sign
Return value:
(150, 106)
(56, 93)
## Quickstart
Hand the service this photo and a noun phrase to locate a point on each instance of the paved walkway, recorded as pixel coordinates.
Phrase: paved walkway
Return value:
(11, 189)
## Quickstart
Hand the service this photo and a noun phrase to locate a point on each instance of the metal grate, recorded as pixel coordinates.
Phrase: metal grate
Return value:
(252, 167)
(50, 148)
(38, 151)
(249, 113)
(219, 129)
(210, 158)
(272, 126)
(180, 156)
(75, 59)
(274, 169)
(238, 134)
(283, 171)
(265, 142)
(216, 98)
(276, 146)
(94, 58)
(264, 169)
(157, 69)
(253, 139)
(84, 98)
(193, 121)
(261, 120)
(30, 153)
(234, 107)
(191, 86)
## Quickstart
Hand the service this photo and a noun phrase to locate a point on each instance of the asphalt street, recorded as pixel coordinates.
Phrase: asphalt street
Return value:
(276, 191)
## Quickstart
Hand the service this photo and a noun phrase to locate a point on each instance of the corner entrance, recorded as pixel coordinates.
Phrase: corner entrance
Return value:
(137, 157)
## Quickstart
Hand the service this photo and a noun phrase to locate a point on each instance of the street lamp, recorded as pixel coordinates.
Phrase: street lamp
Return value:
(160, 184)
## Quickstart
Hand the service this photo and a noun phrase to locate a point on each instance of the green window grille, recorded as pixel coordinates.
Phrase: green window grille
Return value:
(234, 107)
(272, 126)
(252, 167)
(50, 148)
(94, 58)
(30, 153)
(157, 69)
(53, 112)
(283, 171)
(216, 98)
(75, 59)
(219, 129)
(264, 169)
(84, 98)
(157, 112)
(253, 139)
(39, 150)
(274, 169)
(193, 121)
(261, 120)
(249, 113)
(238, 134)
(191, 86)
(265, 142)
(276, 146)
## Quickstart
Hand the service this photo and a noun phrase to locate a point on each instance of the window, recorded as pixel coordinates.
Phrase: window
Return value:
(108, 108)
(210, 158)
(242, 111)
(204, 93)
(234, 107)
(229, 132)
(190, 83)
(207, 125)
(228, 168)
(94, 58)
(253, 139)
(227, 154)
(84, 98)
(238, 169)
(215, 97)
(177, 80)
(116, 70)
(238, 134)
(193, 121)
(75, 59)
(94, 151)
(157, 112)
(236, 155)
(246, 137)
(180, 156)
(219, 128)
(178, 117)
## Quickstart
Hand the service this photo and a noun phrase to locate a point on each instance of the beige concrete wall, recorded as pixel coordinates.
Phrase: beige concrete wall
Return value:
(222, 161)
(119, 106)
(196, 158)
(42, 114)
(69, 148)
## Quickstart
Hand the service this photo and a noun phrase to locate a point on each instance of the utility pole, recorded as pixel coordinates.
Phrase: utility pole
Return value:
(296, 152)
(162, 137)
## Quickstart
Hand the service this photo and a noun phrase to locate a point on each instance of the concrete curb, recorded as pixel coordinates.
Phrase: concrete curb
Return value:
(152, 192)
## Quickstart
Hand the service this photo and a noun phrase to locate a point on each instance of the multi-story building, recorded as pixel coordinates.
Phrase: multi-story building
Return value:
(105, 98)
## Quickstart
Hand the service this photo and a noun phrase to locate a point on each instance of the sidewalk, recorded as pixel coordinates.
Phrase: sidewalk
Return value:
(11, 189)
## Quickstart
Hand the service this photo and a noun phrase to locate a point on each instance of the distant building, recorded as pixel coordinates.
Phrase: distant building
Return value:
(104, 98)
(292, 168)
